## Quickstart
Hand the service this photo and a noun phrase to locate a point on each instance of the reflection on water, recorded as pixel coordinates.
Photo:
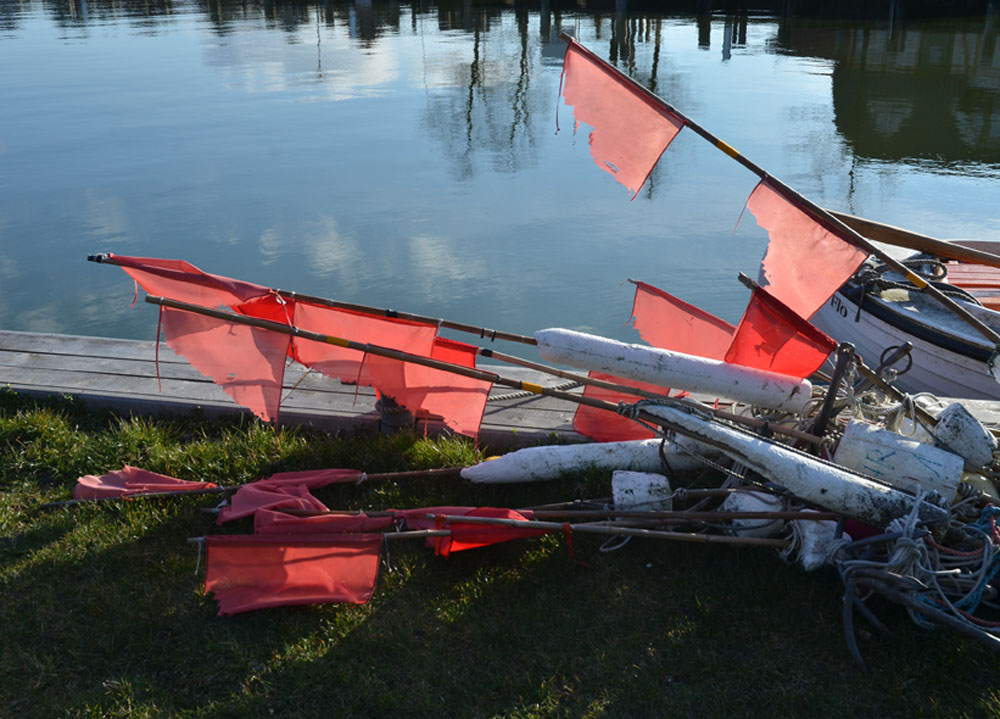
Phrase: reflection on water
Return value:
(406, 154)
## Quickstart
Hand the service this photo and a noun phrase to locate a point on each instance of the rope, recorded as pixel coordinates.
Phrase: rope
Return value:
(562, 386)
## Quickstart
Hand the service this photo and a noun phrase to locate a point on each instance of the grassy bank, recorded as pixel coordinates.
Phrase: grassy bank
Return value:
(101, 612)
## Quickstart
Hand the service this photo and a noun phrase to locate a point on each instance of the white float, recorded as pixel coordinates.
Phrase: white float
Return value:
(646, 491)
(819, 483)
(902, 462)
(533, 464)
(959, 432)
(674, 369)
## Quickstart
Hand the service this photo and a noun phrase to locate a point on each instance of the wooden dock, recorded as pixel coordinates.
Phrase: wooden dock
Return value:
(121, 375)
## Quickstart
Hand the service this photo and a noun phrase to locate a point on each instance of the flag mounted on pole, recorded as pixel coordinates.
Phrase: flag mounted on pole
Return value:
(630, 130)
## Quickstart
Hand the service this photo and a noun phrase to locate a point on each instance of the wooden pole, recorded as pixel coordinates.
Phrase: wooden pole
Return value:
(808, 206)
(681, 517)
(120, 497)
(467, 371)
(609, 529)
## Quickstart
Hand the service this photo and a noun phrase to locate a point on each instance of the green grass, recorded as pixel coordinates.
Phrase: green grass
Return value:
(101, 613)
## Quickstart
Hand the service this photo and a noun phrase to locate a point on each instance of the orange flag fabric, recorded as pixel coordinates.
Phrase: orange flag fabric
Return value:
(772, 337)
(465, 535)
(247, 362)
(132, 480)
(256, 572)
(266, 521)
(604, 426)
(285, 490)
(670, 323)
(630, 132)
(805, 262)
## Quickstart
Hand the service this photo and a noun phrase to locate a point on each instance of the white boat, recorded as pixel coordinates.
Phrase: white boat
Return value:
(949, 357)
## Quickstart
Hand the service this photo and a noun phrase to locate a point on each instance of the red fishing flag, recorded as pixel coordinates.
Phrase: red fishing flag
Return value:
(467, 535)
(247, 362)
(666, 322)
(805, 262)
(670, 323)
(180, 280)
(255, 572)
(266, 521)
(132, 480)
(772, 337)
(286, 490)
(631, 130)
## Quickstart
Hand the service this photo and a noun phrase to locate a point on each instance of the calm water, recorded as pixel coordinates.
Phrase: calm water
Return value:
(406, 155)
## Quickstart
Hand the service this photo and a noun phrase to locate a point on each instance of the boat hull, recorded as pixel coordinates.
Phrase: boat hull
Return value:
(936, 367)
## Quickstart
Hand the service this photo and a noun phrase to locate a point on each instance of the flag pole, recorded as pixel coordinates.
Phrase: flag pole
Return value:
(483, 332)
(473, 373)
(811, 208)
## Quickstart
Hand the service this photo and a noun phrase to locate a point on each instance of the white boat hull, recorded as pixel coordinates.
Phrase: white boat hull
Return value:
(935, 369)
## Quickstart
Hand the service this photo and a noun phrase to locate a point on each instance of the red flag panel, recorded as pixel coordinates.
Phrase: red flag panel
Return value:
(247, 362)
(805, 262)
(180, 280)
(132, 480)
(255, 572)
(604, 426)
(266, 521)
(256, 496)
(467, 536)
(772, 337)
(431, 393)
(670, 323)
(630, 130)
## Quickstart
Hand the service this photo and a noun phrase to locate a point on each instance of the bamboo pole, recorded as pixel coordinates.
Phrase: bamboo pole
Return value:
(819, 214)
(609, 529)
(483, 332)
(479, 374)
(415, 534)
(142, 495)
(681, 517)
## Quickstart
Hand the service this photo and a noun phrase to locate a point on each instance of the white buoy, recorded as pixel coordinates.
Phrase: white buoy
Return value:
(646, 491)
(674, 369)
(820, 483)
(818, 540)
(754, 502)
(959, 432)
(902, 462)
(533, 464)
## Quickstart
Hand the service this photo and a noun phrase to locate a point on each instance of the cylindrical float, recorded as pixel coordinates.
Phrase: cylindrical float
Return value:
(674, 369)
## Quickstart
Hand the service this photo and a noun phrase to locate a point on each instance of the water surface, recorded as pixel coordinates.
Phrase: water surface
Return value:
(406, 154)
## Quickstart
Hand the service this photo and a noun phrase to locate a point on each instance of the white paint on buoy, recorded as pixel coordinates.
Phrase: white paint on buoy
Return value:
(754, 502)
(647, 491)
(902, 462)
(674, 369)
(533, 464)
(819, 483)
(959, 432)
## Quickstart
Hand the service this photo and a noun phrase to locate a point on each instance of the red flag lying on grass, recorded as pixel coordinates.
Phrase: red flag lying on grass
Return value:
(286, 490)
(772, 337)
(255, 572)
(630, 131)
(132, 480)
(247, 362)
(180, 280)
(805, 262)
(266, 521)
(468, 536)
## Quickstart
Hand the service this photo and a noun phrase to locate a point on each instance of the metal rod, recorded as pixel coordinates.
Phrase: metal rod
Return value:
(845, 356)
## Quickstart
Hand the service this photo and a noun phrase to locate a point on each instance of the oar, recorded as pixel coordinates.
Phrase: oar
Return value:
(899, 237)
(808, 206)
(478, 374)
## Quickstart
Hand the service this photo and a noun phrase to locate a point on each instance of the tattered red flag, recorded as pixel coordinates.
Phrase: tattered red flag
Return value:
(437, 394)
(772, 337)
(247, 362)
(604, 426)
(180, 280)
(256, 572)
(132, 480)
(670, 323)
(630, 130)
(466, 535)
(285, 490)
(805, 261)
(266, 521)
